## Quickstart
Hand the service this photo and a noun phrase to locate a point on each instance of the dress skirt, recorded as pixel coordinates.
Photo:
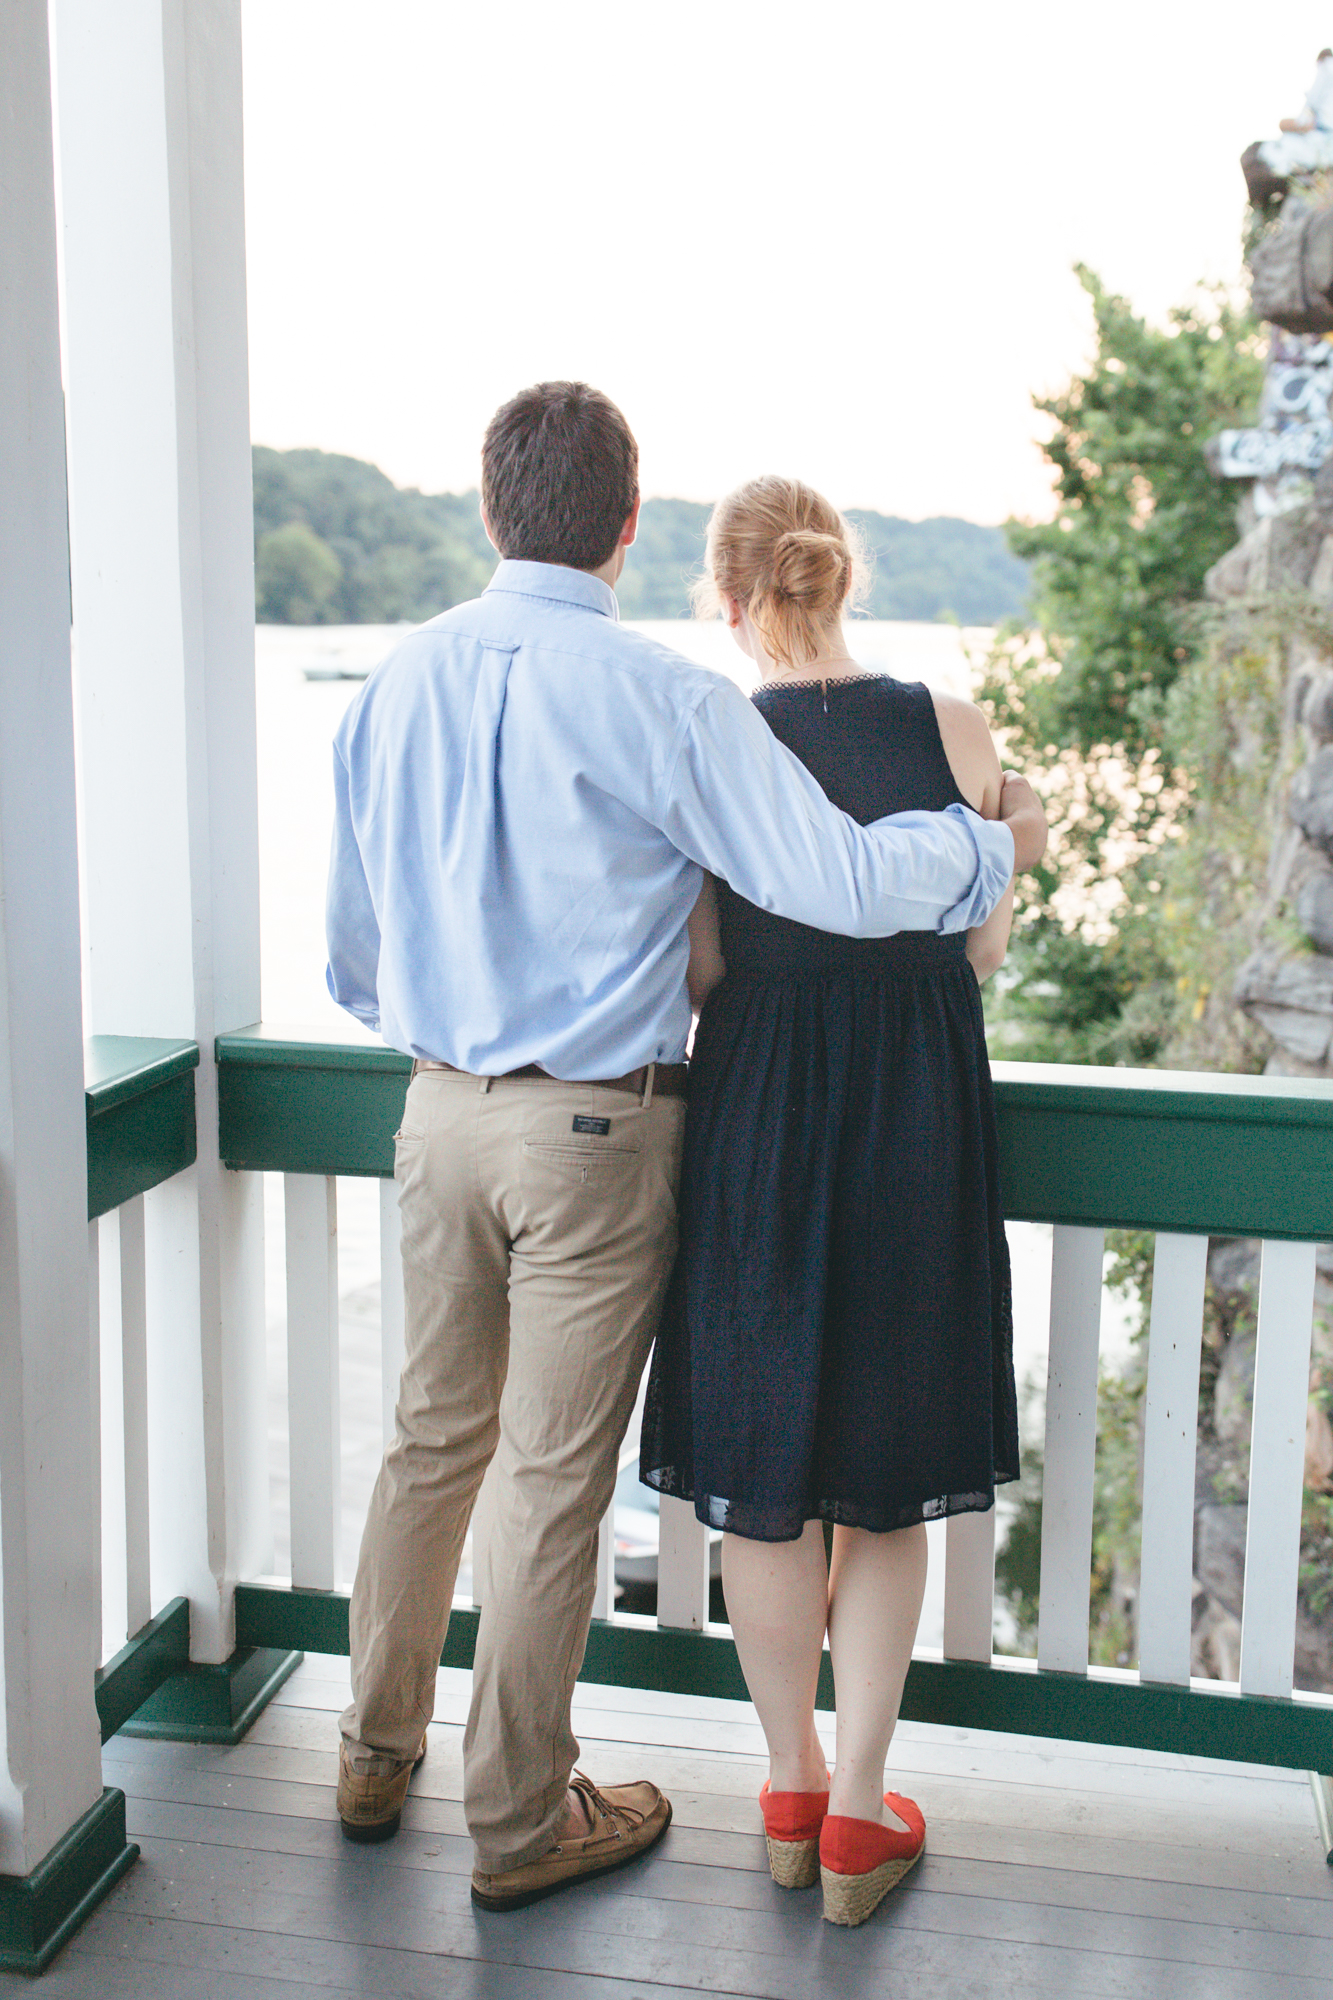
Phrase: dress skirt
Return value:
(837, 1342)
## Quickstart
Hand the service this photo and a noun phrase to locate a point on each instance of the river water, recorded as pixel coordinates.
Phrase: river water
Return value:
(296, 721)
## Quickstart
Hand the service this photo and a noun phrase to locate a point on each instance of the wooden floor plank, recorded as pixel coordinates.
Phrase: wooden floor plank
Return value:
(322, 1682)
(1256, 1827)
(299, 1966)
(1211, 1792)
(739, 1856)
(78, 1975)
(1041, 1828)
(709, 1817)
(728, 1907)
(603, 1933)
(1270, 1794)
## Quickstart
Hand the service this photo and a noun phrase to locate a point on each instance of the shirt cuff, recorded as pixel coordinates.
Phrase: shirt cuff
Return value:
(994, 845)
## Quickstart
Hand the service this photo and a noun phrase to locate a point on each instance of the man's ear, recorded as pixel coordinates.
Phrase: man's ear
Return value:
(631, 527)
(490, 532)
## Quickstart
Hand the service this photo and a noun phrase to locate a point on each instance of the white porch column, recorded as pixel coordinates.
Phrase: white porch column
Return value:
(149, 116)
(50, 1755)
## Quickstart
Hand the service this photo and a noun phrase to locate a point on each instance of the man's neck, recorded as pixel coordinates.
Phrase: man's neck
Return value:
(611, 568)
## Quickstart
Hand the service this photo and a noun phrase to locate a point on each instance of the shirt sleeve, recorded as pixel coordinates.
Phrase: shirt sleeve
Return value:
(350, 923)
(740, 804)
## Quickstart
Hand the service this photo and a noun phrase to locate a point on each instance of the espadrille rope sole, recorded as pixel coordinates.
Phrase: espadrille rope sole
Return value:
(794, 1863)
(850, 1899)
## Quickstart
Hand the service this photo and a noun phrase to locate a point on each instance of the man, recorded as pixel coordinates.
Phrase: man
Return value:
(527, 796)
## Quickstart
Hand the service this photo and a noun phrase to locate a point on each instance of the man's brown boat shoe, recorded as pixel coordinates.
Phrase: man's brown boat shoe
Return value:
(370, 1808)
(626, 1820)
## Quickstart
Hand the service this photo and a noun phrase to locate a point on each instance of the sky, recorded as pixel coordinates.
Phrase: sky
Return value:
(833, 239)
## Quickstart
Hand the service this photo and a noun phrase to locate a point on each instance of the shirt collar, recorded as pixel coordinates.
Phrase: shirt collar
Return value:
(553, 581)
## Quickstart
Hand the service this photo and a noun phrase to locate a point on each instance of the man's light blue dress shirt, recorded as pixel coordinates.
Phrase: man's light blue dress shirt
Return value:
(527, 795)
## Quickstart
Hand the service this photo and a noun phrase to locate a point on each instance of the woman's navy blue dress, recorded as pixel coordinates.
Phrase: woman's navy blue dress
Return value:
(837, 1343)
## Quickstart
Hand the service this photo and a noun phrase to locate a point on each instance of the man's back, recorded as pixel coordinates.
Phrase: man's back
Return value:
(507, 770)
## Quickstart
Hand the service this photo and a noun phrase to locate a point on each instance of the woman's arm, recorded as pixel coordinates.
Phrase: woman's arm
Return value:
(706, 966)
(975, 764)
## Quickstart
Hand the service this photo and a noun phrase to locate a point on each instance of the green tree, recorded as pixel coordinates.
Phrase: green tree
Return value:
(408, 555)
(297, 576)
(1084, 694)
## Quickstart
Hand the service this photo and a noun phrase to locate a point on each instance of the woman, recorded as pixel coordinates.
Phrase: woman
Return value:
(837, 1347)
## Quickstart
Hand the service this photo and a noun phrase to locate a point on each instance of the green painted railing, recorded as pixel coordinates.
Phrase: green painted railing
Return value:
(141, 1130)
(1163, 1149)
(1148, 1149)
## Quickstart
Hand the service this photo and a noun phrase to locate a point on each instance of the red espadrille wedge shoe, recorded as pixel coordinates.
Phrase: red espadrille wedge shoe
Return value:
(860, 1860)
(792, 1825)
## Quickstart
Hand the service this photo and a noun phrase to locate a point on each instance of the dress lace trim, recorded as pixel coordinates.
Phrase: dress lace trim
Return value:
(826, 681)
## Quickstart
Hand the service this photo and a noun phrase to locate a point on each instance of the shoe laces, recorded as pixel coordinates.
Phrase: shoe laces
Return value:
(601, 1807)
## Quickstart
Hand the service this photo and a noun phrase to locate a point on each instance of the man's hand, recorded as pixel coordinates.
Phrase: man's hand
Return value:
(1023, 814)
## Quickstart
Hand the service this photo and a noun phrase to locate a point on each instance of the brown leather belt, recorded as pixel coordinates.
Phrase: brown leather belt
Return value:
(653, 1080)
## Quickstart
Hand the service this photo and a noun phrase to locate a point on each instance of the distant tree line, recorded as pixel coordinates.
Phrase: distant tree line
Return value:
(337, 543)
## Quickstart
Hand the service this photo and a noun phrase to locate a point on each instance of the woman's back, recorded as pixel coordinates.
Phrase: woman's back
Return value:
(873, 744)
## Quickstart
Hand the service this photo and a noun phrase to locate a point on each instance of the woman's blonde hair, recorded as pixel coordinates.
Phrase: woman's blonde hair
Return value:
(788, 557)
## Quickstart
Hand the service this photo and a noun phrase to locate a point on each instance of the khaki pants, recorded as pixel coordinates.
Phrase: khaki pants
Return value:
(535, 1260)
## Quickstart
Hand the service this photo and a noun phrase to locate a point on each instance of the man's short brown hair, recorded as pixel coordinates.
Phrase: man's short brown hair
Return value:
(559, 475)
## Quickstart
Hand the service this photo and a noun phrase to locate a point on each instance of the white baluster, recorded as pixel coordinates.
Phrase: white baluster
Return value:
(1170, 1432)
(392, 1316)
(312, 1377)
(109, 1473)
(604, 1599)
(134, 1410)
(1071, 1448)
(969, 1586)
(1277, 1468)
(682, 1566)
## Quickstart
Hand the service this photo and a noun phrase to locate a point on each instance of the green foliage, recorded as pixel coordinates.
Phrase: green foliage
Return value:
(296, 577)
(1117, 1505)
(1139, 519)
(404, 555)
(1224, 729)
(941, 568)
(1316, 1572)
(1087, 697)
(666, 558)
(1018, 1557)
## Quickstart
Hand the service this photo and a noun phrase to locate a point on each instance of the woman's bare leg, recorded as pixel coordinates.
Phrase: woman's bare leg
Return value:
(876, 1583)
(777, 1601)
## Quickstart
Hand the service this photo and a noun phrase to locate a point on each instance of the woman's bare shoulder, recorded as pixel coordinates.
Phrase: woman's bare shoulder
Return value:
(970, 750)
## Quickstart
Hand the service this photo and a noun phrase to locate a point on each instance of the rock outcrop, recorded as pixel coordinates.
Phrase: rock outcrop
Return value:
(1280, 575)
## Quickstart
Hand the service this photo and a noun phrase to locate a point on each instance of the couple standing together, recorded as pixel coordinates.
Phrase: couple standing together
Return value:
(552, 837)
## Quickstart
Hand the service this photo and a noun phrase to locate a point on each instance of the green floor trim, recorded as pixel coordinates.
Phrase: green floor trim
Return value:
(218, 1704)
(152, 1656)
(41, 1912)
(1114, 1709)
(1122, 1712)
(1322, 1788)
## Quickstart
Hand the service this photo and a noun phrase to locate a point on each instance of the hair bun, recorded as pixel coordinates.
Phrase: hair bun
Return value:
(811, 569)
(787, 556)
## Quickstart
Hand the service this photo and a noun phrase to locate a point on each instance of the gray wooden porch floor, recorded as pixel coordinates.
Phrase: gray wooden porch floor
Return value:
(1051, 1869)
